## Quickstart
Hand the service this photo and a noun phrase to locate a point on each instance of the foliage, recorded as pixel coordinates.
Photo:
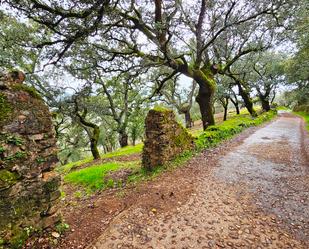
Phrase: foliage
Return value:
(61, 227)
(218, 133)
(296, 67)
(15, 40)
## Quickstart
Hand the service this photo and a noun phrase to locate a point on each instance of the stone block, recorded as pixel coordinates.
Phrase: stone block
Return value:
(165, 138)
(28, 184)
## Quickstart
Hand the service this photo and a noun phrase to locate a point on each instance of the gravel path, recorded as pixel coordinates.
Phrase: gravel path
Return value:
(253, 196)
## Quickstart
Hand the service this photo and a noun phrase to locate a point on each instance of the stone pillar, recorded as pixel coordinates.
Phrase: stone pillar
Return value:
(165, 138)
(29, 187)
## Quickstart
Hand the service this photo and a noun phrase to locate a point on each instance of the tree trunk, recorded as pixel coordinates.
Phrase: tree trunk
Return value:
(123, 139)
(225, 113)
(205, 100)
(66, 159)
(273, 98)
(188, 119)
(247, 100)
(235, 103)
(265, 103)
(94, 143)
(237, 108)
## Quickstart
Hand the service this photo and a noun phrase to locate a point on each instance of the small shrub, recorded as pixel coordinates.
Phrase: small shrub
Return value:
(14, 140)
(110, 183)
(62, 227)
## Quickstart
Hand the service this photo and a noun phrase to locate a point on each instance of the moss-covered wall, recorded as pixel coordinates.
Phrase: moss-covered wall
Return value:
(29, 188)
(165, 138)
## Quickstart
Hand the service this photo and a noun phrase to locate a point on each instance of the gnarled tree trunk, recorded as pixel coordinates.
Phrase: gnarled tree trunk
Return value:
(123, 139)
(235, 103)
(188, 119)
(264, 102)
(225, 102)
(94, 143)
(247, 100)
(205, 99)
(92, 130)
(186, 111)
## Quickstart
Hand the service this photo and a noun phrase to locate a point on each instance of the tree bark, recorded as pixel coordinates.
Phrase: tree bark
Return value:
(94, 135)
(66, 159)
(94, 143)
(188, 119)
(225, 114)
(235, 103)
(237, 108)
(265, 103)
(247, 100)
(205, 100)
(225, 103)
(134, 135)
(123, 139)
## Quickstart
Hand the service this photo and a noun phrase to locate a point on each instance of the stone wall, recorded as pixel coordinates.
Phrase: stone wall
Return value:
(29, 188)
(165, 138)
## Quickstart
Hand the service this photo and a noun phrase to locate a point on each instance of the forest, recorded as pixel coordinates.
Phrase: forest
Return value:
(100, 66)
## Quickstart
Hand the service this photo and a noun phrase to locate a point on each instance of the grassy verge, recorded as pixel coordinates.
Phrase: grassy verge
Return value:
(93, 178)
(128, 150)
(306, 118)
(283, 108)
(218, 133)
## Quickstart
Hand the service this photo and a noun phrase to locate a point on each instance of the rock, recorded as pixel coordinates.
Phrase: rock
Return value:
(55, 235)
(165, 138)
(29, 189)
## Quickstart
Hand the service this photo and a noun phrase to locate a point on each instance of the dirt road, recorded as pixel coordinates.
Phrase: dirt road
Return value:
(252, 195)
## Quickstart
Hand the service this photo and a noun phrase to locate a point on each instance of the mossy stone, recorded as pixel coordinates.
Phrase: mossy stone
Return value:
(163, 109)
(29, 89)
(5, 108)
(7, 178)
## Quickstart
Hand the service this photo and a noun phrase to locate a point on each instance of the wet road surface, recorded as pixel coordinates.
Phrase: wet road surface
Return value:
(254, 196)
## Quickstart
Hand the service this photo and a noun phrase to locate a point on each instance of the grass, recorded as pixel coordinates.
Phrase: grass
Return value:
(306, 118)
(141, 174)
(219, 119)
(92, 177)
(128, 150)
(283, 108)
(218, 133)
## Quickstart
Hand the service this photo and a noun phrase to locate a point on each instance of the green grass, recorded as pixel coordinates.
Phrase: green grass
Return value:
(218, 133)
(141, 174)
(283, 108)
(92, 177)
(306, 118)
(128, 150)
